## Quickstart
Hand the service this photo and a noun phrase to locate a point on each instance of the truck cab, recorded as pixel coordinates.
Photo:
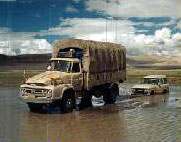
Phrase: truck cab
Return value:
(59, 82)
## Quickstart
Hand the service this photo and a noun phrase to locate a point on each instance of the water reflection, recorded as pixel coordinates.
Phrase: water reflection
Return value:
(87, 125)
(148, 118)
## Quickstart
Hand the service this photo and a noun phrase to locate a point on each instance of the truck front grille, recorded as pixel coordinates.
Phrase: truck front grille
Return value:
(39, 91)
(35, 91)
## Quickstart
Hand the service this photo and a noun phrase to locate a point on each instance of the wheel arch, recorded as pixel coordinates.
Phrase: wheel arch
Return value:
(68, 90)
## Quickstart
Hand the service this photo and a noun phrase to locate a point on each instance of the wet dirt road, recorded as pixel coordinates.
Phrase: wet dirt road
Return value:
(142, 119)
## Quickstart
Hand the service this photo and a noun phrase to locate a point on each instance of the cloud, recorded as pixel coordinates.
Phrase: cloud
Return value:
(6, 34)
(163, 34)
(10, 36)
(37, 15)
(33, 46)
(179, 24)
(82, 27)
(4, 30)
(162, 42)
(169, 23)
(136, 8)
(77, 1)
(71, 9)
(13, 43)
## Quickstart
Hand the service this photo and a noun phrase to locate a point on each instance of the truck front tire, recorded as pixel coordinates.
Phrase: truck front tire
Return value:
(110, 94)
(68, 102)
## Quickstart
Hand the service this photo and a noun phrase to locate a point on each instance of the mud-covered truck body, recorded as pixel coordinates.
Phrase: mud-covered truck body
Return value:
(78, 68)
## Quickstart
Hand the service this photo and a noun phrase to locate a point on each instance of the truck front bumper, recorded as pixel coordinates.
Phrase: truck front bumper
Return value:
(36, 100)
(39, 100)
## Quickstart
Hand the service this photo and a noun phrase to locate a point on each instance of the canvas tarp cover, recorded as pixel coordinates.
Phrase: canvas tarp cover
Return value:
(98, 56)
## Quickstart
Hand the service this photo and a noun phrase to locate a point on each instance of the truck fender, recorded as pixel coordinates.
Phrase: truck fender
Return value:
(67, 88)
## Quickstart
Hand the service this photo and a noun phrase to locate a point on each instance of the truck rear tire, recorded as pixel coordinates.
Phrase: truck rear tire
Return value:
(68, 102)
(110, 94)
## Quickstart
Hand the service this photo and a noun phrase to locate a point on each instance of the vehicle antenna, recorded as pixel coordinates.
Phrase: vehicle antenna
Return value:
(106, 21)
(117, 22)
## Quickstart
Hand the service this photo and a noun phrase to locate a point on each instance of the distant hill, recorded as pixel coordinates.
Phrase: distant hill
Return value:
(26, 58)
(161, 62)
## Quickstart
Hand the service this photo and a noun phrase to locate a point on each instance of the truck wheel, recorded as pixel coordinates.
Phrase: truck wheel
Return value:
(110, 94)
(86, 101)
(35, 107)
(68, 102)
(96, 92)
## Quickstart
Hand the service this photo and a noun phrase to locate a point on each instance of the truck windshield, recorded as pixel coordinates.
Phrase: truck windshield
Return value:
(60, 65)
(149, 81)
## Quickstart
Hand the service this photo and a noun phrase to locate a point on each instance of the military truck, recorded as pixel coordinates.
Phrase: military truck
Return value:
(78, 68)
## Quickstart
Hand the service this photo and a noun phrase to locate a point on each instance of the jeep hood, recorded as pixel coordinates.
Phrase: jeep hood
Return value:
(143, 86)
(44, 78)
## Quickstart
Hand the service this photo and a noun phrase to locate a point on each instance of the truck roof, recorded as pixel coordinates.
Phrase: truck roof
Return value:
(85, 45)
(155, 76)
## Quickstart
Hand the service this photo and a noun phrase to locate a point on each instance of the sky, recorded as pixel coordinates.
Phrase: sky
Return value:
(144, 27)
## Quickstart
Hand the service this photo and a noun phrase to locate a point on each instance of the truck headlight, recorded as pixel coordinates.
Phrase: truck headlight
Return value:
(23, 90)
(49, 93)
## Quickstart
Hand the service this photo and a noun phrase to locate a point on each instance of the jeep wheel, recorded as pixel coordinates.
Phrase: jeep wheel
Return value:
(110, 94)
(165, 91)
(152, 92)
(68, 102)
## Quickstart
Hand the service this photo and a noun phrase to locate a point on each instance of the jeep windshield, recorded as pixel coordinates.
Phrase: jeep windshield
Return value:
(59, 65)
(149, 81)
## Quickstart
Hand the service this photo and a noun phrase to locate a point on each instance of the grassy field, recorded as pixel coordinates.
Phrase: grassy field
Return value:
(135, 74)
(12, 76)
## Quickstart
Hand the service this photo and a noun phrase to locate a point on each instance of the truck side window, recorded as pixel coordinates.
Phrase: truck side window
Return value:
(76, 67)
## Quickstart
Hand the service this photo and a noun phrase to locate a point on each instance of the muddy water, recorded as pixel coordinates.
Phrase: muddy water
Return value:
(142, 119)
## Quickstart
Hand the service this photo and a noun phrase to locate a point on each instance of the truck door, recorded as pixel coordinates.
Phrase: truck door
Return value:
(77, 76)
